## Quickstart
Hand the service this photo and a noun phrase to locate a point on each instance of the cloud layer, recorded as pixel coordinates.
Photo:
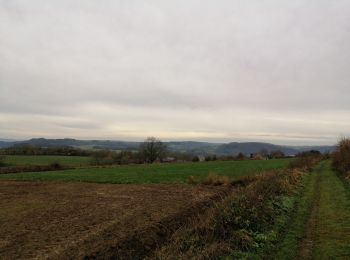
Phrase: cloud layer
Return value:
(203, 70)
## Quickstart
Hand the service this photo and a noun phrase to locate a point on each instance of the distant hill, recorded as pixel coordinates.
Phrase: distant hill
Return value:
(84, 144)
(4, 144)
(256, 147)
(253, 147)
(198, 148)
(193, 147)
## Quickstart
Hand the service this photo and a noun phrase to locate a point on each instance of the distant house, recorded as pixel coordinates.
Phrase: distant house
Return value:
(169, 159)
(201, 158)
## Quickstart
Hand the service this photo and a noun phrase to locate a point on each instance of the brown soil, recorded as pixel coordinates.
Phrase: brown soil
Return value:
(83, 220)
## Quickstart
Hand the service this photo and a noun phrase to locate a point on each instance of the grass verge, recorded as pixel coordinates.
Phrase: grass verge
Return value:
(243, 225)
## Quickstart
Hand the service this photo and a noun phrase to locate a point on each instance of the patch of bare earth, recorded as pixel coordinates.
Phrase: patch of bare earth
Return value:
(84, 220)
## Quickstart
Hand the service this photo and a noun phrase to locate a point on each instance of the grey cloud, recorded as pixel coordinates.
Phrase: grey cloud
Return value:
(194, 60)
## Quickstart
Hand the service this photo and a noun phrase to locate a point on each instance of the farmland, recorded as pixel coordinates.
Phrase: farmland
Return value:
(174, 130)
(49, 220)
(155, 173)
(152, 210)
(74, 219)
(46, 159)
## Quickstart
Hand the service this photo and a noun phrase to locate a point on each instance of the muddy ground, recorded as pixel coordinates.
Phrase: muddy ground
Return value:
(76, 220)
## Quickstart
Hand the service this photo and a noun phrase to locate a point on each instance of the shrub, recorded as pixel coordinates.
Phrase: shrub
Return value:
(242, 222)
(2, 161)
(305, 160)
(341, 157)
(214, 179)
(276, 154)
(240, 156)
(192, 180)
(107, 157)
(56, 166)
(195, 159)
(209, 158)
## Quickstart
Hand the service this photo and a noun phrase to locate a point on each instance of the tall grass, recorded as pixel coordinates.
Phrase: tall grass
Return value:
(239, 225)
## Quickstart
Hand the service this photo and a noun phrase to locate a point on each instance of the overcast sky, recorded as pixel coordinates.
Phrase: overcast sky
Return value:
(226, 70)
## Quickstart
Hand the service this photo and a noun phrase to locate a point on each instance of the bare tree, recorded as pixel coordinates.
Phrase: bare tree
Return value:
(153, 149)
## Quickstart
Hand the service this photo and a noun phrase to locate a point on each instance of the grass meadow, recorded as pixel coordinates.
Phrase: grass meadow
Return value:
(154, 173)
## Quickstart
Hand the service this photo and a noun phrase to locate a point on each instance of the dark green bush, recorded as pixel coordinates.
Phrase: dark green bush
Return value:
(2, 161)
(341, 157)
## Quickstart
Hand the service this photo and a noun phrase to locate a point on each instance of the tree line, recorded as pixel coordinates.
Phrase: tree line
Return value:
(28, 149)
(150, 151)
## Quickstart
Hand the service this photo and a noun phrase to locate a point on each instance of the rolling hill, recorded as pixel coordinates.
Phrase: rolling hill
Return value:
(198, 148)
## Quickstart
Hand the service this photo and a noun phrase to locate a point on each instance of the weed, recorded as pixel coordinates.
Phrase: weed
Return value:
(216, 180)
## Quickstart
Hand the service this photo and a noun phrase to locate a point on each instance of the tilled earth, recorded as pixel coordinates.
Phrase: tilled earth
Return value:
(85, 220)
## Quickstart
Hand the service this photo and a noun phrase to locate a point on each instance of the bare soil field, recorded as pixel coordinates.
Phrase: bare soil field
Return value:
(84, 220)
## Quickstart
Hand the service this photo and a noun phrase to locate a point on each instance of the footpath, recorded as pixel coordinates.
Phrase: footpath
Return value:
(320, 225)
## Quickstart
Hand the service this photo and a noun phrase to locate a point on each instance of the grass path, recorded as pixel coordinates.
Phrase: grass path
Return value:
(320, 226)
(308, 242)
(333, 219)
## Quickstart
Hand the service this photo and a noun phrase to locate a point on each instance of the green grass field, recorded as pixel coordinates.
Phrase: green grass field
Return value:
(156, 173)
(45, 159)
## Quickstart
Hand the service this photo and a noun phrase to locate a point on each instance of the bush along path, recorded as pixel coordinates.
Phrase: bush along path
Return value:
(245, 224)
(320, 226)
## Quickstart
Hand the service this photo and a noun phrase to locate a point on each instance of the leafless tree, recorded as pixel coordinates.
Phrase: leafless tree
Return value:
(152, 149)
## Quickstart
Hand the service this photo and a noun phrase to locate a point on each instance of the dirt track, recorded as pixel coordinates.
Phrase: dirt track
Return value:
(64, 220)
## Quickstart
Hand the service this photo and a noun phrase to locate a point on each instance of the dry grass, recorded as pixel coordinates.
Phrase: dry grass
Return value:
(347, 176)
(216, 180)
(231, 224)
(212, 179)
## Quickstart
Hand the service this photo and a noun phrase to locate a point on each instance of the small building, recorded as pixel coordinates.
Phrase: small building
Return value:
(169, 159)
(201, 158)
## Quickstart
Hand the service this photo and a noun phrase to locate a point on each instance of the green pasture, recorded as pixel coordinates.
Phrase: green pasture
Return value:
(155, 173)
